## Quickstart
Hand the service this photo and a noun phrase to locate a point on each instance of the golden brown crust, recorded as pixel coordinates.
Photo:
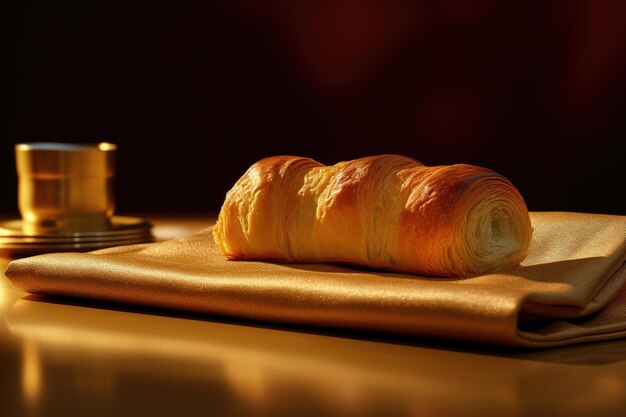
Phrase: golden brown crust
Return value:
(386, 211)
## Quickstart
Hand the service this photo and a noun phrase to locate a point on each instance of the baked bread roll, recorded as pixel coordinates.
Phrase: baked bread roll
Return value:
(386, 212)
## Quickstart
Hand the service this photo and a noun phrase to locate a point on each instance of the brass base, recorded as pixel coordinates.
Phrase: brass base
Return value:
(16, 240)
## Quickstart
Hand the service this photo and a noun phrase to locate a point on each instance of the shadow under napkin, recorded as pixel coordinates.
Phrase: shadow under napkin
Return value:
(566, 291)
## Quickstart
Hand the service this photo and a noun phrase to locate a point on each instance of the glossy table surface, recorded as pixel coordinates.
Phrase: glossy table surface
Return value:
(77, 358)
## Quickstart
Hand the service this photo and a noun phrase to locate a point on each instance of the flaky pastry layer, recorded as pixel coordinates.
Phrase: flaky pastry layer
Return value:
(388, 212)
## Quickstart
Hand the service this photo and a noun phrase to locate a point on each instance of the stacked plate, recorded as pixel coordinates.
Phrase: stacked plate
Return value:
(123, 231)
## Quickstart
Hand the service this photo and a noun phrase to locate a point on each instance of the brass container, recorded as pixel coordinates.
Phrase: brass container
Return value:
(65, 187)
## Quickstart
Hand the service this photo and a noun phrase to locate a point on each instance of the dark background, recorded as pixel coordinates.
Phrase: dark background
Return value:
(194, 91)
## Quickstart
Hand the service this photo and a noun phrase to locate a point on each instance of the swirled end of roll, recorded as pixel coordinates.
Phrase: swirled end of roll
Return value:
(463, 220)
(385, 212)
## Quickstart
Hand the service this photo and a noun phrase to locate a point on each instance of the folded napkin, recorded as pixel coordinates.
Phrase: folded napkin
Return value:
(570, 289)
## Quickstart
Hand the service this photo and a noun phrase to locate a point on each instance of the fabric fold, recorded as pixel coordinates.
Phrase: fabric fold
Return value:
(570, 289)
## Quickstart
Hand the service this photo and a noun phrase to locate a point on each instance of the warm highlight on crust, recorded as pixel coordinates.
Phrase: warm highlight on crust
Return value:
(387, 211)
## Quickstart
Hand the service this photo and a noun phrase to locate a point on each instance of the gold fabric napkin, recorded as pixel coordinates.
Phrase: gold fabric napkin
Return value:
(570, 289)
